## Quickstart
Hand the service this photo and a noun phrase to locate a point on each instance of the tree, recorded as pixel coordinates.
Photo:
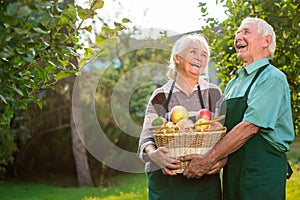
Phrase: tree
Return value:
(39, 47)
(118, 82)
(284, 16)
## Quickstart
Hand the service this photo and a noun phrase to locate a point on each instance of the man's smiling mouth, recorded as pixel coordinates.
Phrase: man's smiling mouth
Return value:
(239, 46)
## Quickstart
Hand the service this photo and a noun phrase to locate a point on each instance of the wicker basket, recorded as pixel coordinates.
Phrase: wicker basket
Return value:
(185, 143)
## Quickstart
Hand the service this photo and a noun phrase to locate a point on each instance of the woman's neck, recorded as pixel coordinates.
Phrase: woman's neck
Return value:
(186, 84)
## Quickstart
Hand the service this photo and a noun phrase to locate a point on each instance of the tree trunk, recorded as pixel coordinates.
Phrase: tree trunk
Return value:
(79, 151)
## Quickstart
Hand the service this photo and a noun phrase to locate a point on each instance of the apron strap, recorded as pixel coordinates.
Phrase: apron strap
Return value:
(200, 96)
(169, 97)
(171, 91)
(253, 80)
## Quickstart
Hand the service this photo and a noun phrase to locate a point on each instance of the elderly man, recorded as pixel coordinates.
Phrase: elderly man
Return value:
(259, 122)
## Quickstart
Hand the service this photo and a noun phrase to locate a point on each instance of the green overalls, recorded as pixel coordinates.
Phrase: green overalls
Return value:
(163, 187)
(257, 171)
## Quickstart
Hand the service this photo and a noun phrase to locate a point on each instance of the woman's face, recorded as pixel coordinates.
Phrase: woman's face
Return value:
(192, 61)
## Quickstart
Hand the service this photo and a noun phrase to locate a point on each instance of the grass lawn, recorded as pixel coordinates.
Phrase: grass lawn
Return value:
(293, 184)
(130, 186)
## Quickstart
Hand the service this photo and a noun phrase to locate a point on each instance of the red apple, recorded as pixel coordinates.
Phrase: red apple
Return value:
(204, 114)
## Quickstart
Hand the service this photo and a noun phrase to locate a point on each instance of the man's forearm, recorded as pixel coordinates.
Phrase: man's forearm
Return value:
(233, 141)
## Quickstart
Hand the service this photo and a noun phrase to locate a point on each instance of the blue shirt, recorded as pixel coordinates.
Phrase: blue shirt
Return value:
(269, 105)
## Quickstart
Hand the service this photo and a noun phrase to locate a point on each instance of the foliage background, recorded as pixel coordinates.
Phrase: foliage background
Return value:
(40, 56)
(283, 16)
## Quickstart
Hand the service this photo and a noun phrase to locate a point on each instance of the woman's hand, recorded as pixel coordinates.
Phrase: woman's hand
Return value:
(167, 164)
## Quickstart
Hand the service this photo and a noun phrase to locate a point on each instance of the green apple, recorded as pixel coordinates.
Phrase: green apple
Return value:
(159, 121)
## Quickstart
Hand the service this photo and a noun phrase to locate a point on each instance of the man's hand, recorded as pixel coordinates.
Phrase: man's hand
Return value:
(218, 166)
(197, 167)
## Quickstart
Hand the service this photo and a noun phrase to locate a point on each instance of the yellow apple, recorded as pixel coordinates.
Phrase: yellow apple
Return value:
(202, 127)
(170, 127)
(178, 113)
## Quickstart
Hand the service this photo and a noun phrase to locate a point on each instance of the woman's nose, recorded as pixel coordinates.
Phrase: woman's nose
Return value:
(198, 58)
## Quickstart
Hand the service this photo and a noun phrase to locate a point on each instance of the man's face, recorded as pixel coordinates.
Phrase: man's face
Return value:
(248, 43)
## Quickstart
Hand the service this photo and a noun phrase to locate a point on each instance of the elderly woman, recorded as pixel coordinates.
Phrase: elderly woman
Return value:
(189, 58)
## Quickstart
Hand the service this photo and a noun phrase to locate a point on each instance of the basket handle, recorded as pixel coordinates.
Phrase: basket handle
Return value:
(211, 121)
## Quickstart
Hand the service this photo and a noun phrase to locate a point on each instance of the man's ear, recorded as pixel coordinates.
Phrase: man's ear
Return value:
(267, 41)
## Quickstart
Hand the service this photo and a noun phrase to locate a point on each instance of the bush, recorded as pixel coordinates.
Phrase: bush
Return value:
(7, 148)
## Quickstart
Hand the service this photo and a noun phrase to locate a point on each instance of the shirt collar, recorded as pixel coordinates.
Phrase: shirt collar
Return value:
(256, 65)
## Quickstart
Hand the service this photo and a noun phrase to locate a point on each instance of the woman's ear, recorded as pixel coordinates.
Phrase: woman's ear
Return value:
(176, 59)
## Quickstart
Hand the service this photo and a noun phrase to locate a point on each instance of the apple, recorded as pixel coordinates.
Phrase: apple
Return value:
(185, 124)
(159, 121)
(215, 126)
(177, 113)
(171, 127)
(204, 114)
(203, 126)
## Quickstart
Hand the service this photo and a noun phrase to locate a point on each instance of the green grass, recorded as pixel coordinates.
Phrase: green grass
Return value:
(129, 186)
(293, 184)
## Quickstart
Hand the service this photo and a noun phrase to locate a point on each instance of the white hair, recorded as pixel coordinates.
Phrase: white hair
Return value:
(263, 29)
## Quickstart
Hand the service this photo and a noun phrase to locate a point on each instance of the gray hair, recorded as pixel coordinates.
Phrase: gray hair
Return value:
(263, 29)
(180, 45)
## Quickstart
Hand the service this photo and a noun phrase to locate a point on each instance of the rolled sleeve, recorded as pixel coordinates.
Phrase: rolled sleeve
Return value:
(269, 108)
(264, 104)
(146, 137)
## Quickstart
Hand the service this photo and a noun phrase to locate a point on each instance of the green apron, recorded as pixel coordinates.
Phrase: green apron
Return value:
(163, 187)
(257, 170)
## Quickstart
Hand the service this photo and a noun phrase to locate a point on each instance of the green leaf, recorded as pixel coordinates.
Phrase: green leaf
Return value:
(70, 13)
(24, 11)
(12, 9)
(39, 30)
(88, 28)
(85, 13)
(125, 20)
(97, 4)
(18, 91)
(63, 74)
(63, 62)
(30, 55)
(3, 99)
(60, 75)
(36, 100)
